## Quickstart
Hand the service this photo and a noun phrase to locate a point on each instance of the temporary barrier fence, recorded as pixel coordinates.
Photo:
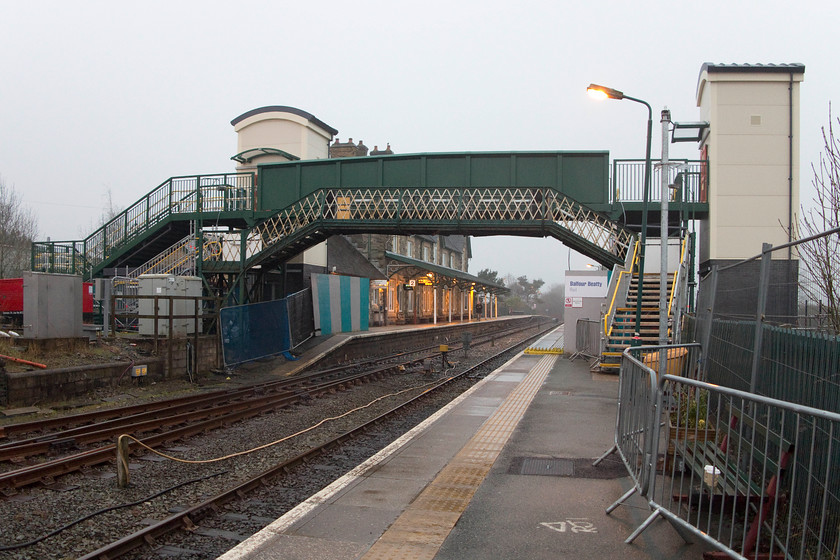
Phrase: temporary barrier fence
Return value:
(636, 406)
(587, 339)
(301, 320)
(743, 472)
(260, 330)
(340, 303)
(637, 400)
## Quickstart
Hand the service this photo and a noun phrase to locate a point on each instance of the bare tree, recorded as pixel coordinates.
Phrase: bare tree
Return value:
(821, 257)
(554, 301)
(18, 228)
(110, 210)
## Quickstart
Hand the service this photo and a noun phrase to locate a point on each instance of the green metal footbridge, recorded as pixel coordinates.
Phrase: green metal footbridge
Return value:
(225, 227)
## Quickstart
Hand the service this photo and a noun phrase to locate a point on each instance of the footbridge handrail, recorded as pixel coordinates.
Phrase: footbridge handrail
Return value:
(678, 275)
(535, 211)
(195, 194)
(180, 257)
(627, 270)
(690, 177)
(677, 300)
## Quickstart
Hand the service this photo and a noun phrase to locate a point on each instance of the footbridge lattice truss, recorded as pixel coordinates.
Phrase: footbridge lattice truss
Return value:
(238, 225)
(473, 211)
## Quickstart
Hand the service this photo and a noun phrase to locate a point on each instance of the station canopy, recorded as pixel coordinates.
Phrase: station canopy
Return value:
(440, 275)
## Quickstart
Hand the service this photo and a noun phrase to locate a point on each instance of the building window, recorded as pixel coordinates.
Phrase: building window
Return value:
(408, 248)
(426, 253)
(451, 260)
(395, 244)
(435, 253)
(390, 304)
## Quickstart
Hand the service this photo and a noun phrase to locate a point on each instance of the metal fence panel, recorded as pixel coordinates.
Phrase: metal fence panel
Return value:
(754, 476)
(301, 321)
(587, 338)
(750, 449)
(254, 331)
(748, 473)
(636, 404)
(754, 336)
(800, 366)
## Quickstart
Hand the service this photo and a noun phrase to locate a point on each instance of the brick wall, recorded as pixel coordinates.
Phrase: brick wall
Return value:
(340, 149)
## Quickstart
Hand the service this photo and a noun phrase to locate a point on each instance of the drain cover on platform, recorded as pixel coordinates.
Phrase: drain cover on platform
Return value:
(611, 467)
(547, 467)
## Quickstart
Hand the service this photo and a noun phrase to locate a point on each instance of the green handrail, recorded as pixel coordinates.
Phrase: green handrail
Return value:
(140, 218)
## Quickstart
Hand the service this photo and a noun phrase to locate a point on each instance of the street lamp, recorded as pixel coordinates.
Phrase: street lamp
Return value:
(602, 92)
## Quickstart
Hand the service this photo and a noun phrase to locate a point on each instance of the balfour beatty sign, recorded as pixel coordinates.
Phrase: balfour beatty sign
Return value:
(578, 286)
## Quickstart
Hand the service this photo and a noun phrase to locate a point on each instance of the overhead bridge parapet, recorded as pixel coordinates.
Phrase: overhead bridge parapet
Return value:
(298, 204)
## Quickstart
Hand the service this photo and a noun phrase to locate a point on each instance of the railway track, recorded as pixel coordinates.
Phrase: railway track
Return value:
(163, 422)
(189, 519)
(340, 381)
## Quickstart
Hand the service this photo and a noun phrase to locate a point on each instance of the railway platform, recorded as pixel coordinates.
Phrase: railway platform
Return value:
(318, 347)
(504, 471)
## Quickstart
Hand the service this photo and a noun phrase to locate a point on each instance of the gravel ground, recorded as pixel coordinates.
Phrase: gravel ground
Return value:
(36, 511)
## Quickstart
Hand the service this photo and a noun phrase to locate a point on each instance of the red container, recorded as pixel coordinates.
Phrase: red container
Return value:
(87, 297)
(11, 295)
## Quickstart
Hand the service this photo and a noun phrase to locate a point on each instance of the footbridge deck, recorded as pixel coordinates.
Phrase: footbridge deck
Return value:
(229, 223)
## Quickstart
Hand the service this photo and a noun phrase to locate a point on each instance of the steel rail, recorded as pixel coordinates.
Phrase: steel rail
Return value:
(137, 424)
(133, 413)
(131, 410)
(101, 431)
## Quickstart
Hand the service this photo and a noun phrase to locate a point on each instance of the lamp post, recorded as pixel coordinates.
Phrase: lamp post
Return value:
(602, 92)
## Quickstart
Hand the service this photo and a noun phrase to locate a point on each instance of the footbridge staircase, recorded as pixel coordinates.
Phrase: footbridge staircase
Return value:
(629, 321)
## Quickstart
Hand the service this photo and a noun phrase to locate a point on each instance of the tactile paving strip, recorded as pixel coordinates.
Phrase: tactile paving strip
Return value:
(420, 531)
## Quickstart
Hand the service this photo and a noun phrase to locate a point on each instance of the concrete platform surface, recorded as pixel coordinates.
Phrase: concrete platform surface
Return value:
(501, 472)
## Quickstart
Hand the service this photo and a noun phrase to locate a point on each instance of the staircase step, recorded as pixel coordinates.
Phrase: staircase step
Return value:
(623, 329)
(628, 339)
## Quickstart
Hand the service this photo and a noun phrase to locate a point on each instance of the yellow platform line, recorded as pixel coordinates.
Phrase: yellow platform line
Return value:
(538, 350)
(421, 529)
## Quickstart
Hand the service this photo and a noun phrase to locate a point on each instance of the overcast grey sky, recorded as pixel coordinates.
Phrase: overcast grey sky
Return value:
(99, 96)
